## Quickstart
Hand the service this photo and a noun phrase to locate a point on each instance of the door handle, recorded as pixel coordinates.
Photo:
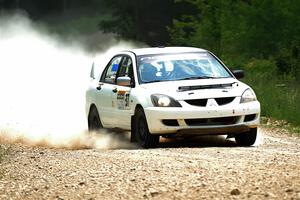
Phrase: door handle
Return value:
(99, 86)
(115, 90)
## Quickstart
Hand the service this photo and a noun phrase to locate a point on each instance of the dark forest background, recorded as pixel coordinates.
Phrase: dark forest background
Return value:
(260, 36)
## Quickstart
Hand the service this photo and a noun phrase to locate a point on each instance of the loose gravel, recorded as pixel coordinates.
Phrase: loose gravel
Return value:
(204, 168)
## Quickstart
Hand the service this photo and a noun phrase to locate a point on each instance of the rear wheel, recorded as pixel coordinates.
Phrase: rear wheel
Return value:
(247, 138)
(141, 131)
(94, 122)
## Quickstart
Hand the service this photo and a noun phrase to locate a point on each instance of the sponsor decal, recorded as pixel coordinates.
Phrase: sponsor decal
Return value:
(123, 100)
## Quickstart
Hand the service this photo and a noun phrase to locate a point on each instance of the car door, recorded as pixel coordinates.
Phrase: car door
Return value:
(106, 87)
(122, 107)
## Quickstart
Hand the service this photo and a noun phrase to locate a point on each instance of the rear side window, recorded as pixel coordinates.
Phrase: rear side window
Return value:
(110, 72)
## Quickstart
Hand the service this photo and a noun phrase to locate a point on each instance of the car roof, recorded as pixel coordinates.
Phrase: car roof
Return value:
(164, 50)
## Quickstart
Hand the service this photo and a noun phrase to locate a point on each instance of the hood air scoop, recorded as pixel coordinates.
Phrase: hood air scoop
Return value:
(199, 87)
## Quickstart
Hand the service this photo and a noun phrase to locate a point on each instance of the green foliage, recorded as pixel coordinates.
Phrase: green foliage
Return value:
(38, 9)
(197, 30)
(81, 25)
(240, 29)
(288, 61)
(278, 95)
(182, 31)
(265, 68)
(139, 20)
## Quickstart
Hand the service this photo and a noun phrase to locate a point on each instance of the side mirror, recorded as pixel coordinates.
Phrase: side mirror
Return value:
(239, 74)
(124, 81)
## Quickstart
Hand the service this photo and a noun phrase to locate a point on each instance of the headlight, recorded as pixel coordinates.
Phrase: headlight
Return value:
(160, 100)
(248, 96)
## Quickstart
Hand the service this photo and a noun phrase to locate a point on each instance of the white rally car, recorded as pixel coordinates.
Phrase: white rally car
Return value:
(178, 91)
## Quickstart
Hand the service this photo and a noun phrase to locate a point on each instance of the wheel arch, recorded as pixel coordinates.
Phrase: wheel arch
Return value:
(137, 107)
(92, 106)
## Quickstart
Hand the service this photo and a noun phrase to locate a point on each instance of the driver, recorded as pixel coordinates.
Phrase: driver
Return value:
(148, 72)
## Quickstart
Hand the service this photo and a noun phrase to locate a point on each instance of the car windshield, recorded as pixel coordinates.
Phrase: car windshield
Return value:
(184, 66)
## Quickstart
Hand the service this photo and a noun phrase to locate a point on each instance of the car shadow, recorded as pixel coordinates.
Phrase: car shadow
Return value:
(197, 142)
(176, 142)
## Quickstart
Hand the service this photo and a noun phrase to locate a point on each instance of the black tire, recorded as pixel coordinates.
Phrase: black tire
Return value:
(141, 132)
(247, 138)
(94, 122)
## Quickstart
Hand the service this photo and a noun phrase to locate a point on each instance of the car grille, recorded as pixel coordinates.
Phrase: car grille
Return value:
(223, 101)
(203, 102)
(197, 102)
(211, 121)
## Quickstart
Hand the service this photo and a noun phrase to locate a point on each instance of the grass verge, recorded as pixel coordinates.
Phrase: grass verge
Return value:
(281, 124)
(279, 95)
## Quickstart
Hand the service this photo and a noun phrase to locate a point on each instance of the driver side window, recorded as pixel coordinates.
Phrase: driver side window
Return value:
(109, 75)
(126, 69)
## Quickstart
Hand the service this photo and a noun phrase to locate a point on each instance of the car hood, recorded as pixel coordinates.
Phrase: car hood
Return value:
(197, 89)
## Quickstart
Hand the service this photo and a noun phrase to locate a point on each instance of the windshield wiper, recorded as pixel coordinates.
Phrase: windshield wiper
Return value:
(155, 81)
(197, 77)
(201, 77)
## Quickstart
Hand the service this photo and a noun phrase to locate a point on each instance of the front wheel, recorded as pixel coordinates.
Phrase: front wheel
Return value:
(141, 131)
(247, 138)
(94, 122)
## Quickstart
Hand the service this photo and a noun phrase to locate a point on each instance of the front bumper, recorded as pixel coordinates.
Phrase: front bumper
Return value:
(194, 120)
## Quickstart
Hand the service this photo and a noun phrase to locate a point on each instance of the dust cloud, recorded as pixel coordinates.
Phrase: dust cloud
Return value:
(42, 84)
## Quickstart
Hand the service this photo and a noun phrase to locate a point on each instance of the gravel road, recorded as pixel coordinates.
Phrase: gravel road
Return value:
(206, 168)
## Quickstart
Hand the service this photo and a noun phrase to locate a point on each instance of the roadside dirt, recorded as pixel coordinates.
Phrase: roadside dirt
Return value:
(206, 168)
